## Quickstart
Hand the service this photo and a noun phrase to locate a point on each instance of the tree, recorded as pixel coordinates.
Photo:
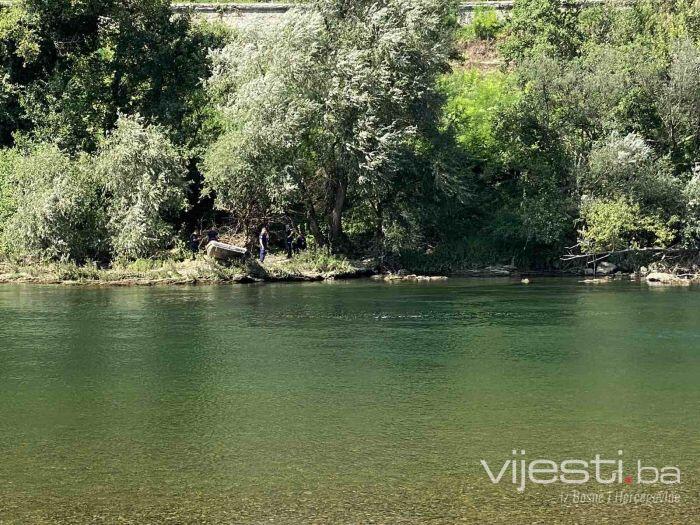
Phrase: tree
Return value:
(144, 179)
(691, 229)
(51, 206)
(626, 166)
(617, 224)
(327, 105)
(542, 26)
(75, 66)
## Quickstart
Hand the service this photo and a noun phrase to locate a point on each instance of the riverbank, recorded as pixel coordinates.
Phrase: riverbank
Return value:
(311, 266)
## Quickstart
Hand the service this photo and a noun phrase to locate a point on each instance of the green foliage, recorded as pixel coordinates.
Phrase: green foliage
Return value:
(617, 224)
(7, 200)
(474, 101)
(144, 178)
(54, 209)
(75, 66)
(691, 230)
(604, 129)
(626, 167)
(485, 25)
(345, 119)
(312, 261)
(121, 202)
(329, 106)
(542, 27)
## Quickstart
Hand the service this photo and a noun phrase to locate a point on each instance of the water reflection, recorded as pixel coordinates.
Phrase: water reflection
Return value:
(332, 387)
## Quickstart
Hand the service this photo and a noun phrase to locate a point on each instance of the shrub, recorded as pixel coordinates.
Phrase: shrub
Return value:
(618, 224)
(486, 24)
(474, 102)
(691, 231)
(144, 177)
(51, 204)
(626, 165)
(314, 261)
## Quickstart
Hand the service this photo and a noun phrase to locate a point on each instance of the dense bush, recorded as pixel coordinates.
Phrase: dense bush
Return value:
(121, 202)
(485, 25)
(52, 205)
(691, 231)
(616, 224)
(144, 179)
(473, 101)
(356, 122)
(328, 109)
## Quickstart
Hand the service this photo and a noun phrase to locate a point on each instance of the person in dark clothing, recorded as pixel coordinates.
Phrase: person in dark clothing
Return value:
(213, 235)
(264, 242)
(195, 239)
(300, 243)
(289, 241)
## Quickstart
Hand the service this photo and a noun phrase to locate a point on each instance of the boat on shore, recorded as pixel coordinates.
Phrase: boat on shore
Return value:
(225, 252)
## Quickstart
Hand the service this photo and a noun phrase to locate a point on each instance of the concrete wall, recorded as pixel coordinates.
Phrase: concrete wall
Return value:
(243, 14)
(238, 15)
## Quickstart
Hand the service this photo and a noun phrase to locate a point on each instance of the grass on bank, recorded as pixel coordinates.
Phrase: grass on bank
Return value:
(308, 263)
(179, 270)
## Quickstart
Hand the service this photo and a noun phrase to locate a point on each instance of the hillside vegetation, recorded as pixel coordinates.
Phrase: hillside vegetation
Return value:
(380, 129)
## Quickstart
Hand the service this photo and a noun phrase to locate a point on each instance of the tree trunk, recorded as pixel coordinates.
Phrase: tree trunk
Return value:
(379, 227)
(313, 225)
(311, 214)
(336, 225)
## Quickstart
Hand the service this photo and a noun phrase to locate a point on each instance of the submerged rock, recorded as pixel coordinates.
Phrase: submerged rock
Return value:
(602, 280)
(410, 277)
(666, 278)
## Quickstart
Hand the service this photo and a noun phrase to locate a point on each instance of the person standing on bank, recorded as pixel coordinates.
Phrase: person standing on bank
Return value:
(300, 243)
(213, 234)
(264, 241)
(195, 240)
(289, 241)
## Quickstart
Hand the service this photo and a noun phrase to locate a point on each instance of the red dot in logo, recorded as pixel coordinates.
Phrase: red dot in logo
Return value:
(628, 480)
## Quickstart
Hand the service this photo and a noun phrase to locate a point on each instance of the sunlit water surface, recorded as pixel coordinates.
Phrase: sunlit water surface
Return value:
(348, 402)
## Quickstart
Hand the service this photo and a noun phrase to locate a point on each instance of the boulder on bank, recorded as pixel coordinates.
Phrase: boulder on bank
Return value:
(666, 278)
(604, 268)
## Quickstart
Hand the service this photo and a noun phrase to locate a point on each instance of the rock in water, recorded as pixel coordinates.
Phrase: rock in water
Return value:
(666, 278)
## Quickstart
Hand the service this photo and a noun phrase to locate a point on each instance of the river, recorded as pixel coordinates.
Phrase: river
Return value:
(344, 402)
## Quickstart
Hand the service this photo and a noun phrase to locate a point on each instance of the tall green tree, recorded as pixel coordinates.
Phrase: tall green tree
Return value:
(327, 106)
(75, 66)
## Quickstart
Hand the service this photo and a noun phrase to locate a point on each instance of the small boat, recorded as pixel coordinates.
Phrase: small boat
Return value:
(224, 252)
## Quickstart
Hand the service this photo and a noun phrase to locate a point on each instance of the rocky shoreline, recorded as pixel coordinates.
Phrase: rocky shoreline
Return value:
(181, 275)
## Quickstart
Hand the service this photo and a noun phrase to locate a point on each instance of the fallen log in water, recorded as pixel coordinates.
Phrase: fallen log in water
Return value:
(604, 255)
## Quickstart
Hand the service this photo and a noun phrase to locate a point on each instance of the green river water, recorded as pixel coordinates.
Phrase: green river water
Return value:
(343, 402)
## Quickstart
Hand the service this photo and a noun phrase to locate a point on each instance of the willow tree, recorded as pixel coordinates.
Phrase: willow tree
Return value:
(332, 100)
